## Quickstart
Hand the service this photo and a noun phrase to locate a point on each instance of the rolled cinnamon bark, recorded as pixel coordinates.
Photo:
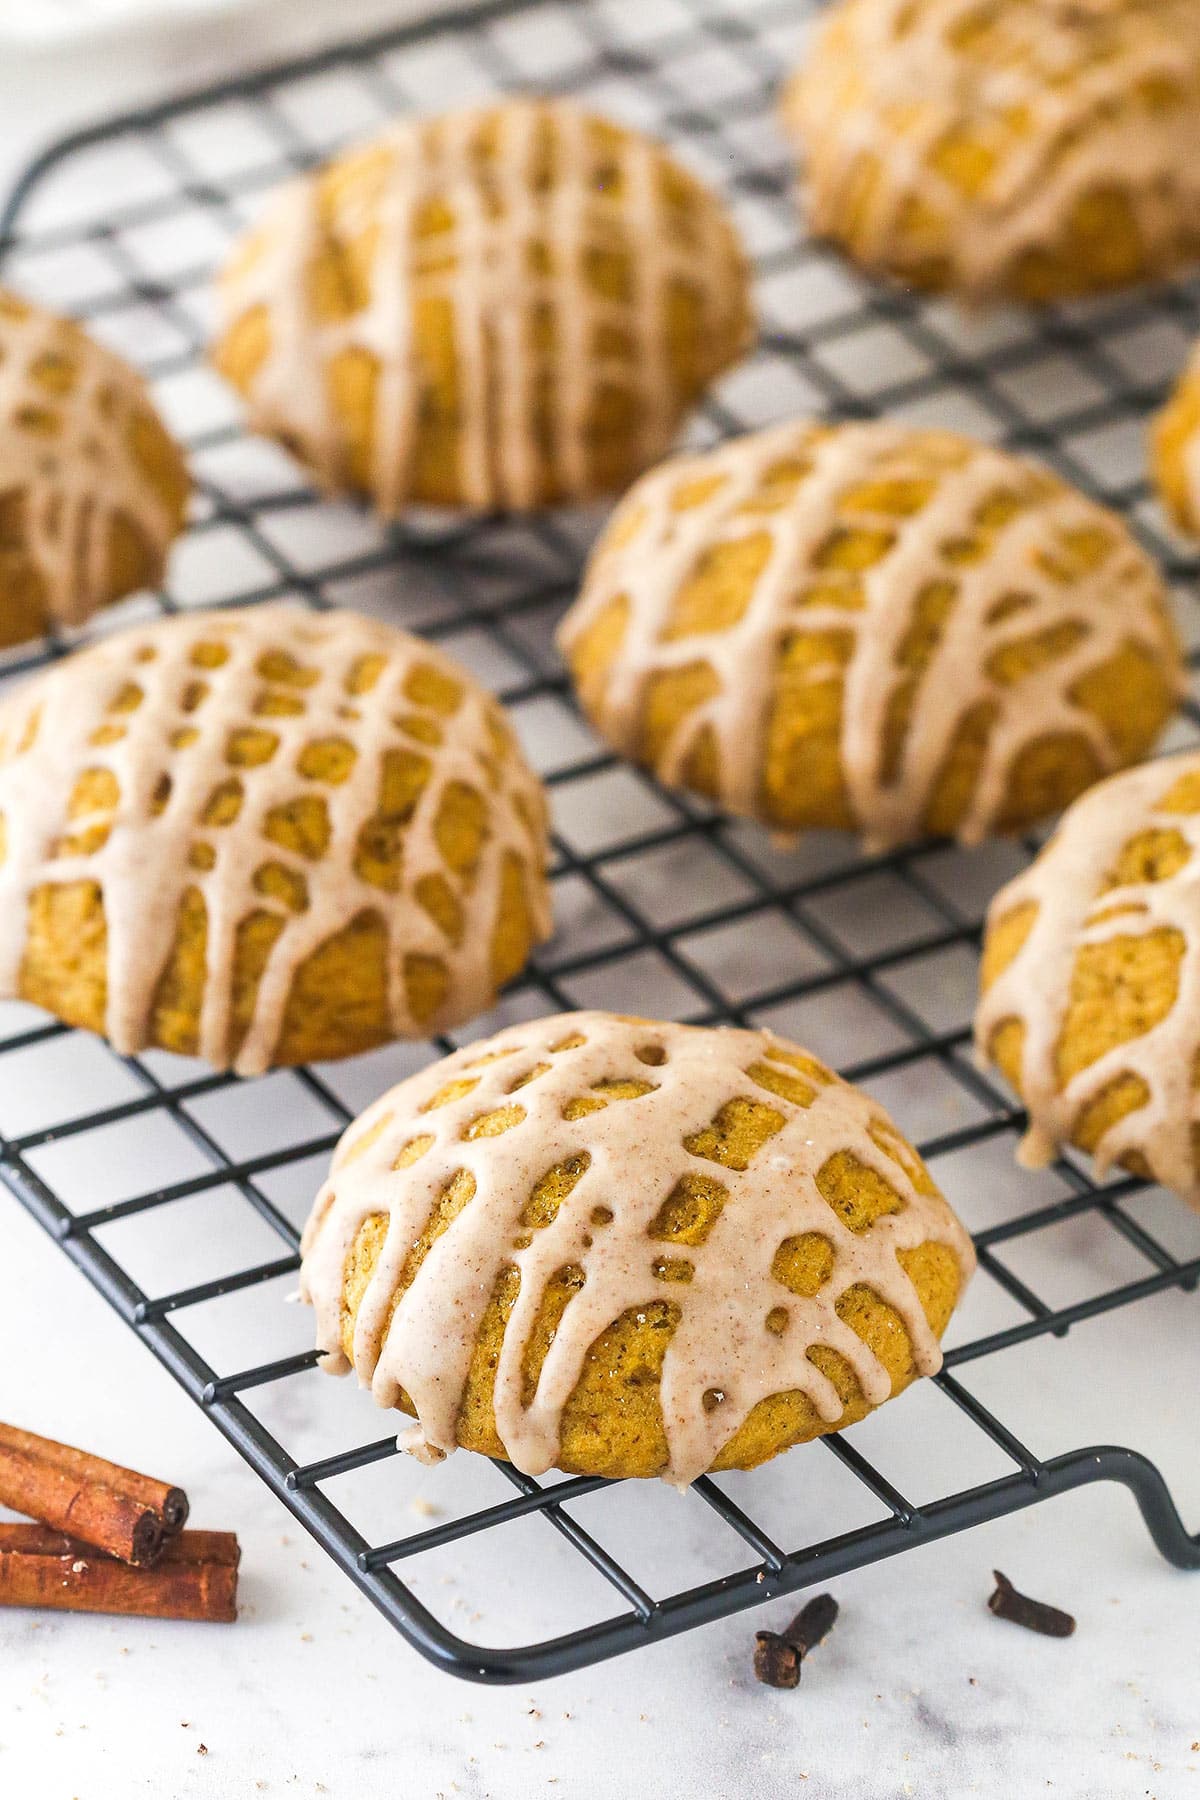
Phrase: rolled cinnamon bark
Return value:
(119, 1511)
(194, 1578)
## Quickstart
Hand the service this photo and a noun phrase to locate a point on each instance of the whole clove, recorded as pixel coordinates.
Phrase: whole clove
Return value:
(776, 1662)
(778, 1654)
(1034, 1615)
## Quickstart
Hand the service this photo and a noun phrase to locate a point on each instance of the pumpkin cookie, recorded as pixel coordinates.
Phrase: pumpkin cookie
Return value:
(1177, 450)
(497, 308)
(900, 632)
(92, 488)
(1037, 150)
(1091, 979)
(622, 1248)
(264, 837)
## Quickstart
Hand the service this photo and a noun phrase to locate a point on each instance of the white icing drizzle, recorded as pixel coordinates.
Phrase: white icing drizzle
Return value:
(483, 267)
(143, 869)
(1065, 883)
(69, 456)
(1121, 601)
(722, 1345)
(1073, 68)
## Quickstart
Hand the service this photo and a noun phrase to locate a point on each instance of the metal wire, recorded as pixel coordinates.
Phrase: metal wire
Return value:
(132, 242)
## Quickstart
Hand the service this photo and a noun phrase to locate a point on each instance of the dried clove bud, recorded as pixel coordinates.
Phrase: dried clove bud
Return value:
(776, 1662)
(778, 1654)
(1034, 1615)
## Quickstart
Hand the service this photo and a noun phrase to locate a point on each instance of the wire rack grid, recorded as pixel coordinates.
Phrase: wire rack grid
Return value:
(179, 1193)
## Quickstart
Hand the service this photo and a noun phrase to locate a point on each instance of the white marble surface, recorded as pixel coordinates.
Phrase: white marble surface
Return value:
(919, 1691)
(47, 89)
(58, 24)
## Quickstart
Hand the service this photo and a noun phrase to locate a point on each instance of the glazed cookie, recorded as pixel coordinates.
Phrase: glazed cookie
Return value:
(261, 837)
(870, 627)
(495, 308)
(1033, 149)
(1091, 979)
(92, 488)
(622, 1248)
(1177, 450)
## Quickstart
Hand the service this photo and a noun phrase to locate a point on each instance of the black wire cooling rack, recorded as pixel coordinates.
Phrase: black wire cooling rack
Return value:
(663, 907)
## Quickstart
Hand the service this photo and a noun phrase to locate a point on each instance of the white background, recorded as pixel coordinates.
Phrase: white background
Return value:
(918, 1692)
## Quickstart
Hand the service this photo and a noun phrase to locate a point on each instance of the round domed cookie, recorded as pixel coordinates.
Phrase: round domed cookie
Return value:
(502, 307)
(869, 627)
(1176, 448)
(1091, 979)
(92, 488)
(623, 1248)
(1037, 150)
(265, 836)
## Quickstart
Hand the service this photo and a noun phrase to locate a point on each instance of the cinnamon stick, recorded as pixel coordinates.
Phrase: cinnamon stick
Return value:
(119, 1511)
(194, 1578)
